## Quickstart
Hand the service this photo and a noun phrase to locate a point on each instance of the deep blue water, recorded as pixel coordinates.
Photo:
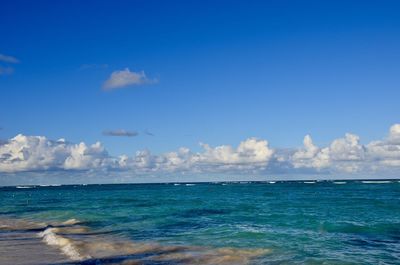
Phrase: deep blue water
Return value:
(277, 223)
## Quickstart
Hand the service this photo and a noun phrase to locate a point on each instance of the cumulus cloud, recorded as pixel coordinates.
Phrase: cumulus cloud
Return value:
(250, 153)
(120, 133)
(124, 78)
(386, 152)
(8, 59)
(343, 155)
(30, 153)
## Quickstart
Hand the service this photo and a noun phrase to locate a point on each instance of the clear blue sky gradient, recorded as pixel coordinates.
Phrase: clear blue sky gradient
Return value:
(227, 71)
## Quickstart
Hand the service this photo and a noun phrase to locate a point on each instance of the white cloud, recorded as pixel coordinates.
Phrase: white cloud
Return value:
(305, 157)
(30, 153)
(342, 155)
(386, 153)
(124, 78)
(249, 154)
(81, 156)
(8, 59)
(394, 134)
(349, 155)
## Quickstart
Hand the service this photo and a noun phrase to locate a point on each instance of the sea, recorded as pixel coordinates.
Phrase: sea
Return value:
(292, 222)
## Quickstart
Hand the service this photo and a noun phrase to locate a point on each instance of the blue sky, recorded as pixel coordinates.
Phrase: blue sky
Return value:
(223, 71)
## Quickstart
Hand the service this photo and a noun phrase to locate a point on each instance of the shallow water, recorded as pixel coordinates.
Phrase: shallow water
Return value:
(341, 222)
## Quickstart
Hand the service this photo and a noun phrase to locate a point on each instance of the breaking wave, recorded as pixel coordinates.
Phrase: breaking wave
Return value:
(80, 244)
(66, 246)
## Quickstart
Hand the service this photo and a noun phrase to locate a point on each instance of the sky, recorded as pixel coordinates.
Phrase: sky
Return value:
(206, 88)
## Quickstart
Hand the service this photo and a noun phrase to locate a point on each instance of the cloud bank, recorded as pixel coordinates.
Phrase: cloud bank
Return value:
(124, 78)
(346, 155)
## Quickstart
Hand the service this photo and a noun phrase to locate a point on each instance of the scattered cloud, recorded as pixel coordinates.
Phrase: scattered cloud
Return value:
(7, 70)
(120, 133)
(8, 59)
(93, 66)
(124, 78)
(147, 132)
(345, 155)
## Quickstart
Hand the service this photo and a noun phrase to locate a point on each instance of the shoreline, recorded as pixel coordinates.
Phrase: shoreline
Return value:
(23, 246)
(71, 242)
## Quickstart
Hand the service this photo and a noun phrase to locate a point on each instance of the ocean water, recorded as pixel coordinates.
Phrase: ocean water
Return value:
(341, 222)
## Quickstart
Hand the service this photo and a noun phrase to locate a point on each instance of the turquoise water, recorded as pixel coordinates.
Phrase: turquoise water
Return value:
(347, 222)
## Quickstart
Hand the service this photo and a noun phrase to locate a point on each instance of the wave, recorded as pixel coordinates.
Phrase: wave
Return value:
(66, 246)
(25, 187)
(272, 182)
(376, 181)
(339, 182)
(309, 182)
(189, 184)
(80, 245)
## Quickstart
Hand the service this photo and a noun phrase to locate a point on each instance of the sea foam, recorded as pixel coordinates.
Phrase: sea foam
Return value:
(376, 181)
(51, 238)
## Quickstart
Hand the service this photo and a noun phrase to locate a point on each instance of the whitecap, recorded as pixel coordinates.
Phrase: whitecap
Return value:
(376, 181)
(309, 182)
(339, 182)
(24, 187)
(190, 184)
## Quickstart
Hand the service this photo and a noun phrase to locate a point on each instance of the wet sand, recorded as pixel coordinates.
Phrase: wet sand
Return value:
(27, 248)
